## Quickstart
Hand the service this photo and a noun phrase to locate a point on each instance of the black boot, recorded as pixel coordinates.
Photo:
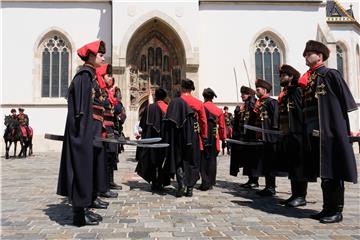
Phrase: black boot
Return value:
(92, 215)
(189, 191)
(269, 189)
(337, 203)
(81, 219)
(326, 193)
(253, 182)
(298, 189)
(97, 204)
(292, 197)
(180, 181)
(109, 194)
(112, 184)
(102, 202)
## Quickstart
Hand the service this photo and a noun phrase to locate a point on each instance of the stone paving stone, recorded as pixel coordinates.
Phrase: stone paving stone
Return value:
(86, 235)
(187, 234)
(30, 209)
(139, 235)
(160, 234)
(111, 235)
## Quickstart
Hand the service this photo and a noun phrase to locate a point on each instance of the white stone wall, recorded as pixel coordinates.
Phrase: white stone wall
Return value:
(23, 26)
(228, 35)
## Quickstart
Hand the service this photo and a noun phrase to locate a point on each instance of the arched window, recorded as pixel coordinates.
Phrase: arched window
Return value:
(268, 58)
(55, 67)
(340, 60)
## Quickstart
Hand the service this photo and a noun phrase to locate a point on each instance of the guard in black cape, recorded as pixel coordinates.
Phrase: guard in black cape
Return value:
(327, 101)
(291, 144)
(150, 161)
(106, 82)
(267, 118)
(216, 132)
(229, 120)
(119, 118)
(242, 155)
(186, 129)
(76, 176)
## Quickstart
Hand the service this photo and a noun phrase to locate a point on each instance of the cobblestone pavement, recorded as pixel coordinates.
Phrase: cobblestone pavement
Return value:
(31, 210)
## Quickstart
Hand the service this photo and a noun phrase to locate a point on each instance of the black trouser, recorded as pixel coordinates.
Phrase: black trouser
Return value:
(270, 181)
(180, 177)
(253, 179)
(333, 195)
(299, 188)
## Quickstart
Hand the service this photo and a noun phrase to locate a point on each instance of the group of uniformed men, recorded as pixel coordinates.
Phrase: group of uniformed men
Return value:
(303, 135)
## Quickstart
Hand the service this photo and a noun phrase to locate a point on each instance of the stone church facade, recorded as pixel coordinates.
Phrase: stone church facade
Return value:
(218, 44)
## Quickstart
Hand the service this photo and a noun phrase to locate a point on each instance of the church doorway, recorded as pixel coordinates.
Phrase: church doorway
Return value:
(155, 58)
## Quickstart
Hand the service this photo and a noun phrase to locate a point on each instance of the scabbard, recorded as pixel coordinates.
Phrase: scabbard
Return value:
(54, 137)
(352, 139)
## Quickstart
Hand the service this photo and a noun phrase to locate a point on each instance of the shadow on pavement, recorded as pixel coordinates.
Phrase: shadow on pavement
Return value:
(146, 187)
(60, 213)
(265, 204)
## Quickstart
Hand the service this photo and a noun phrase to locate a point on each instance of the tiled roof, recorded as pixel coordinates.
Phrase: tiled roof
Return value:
(336, 13)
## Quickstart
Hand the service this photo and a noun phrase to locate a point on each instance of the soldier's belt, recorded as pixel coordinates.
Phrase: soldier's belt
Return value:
(267, 131)
(238, 142)
(352, 139)
(145, 142)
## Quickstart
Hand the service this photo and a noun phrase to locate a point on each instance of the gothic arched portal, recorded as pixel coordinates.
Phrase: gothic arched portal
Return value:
(155, 58)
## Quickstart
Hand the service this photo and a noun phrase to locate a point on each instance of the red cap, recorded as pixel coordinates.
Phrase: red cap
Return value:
(90, 47)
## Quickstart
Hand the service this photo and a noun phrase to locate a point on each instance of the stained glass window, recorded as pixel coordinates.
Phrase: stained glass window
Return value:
(340, 59)
(55, 67)
(268, 57)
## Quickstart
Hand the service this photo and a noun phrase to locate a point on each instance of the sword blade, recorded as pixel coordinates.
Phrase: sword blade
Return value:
(238, 142)
(147, 140)
(268, 131)
(154, 145)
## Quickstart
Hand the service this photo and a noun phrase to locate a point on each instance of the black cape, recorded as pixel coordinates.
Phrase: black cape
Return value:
(337, 160)
(150, 160)
(208, 156)
(76, 166)
(241, 156)
(184, 149)
(266, 161)
(291, 146)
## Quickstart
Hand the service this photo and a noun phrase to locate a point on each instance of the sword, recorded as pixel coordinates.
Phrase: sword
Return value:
(145, 142)
(128, 142)
(268, 131)
(238, 142)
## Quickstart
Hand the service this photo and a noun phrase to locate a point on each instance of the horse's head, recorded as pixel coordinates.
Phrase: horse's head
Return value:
(10, 122)
(7, 120)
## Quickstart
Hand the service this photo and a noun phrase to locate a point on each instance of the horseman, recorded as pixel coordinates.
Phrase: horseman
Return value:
(13, 114)
(24, 123)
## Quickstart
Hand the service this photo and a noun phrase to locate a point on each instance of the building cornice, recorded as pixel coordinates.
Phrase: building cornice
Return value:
(263, 1)
(342, 22)
(65, 1)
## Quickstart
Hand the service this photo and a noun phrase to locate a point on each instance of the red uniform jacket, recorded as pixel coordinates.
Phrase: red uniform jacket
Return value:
(198, 106)
(214, 110)
(163, 106)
